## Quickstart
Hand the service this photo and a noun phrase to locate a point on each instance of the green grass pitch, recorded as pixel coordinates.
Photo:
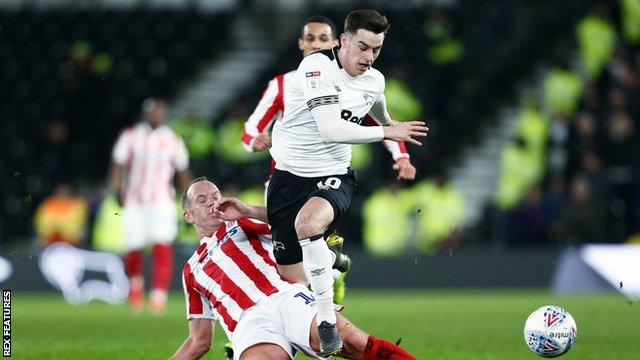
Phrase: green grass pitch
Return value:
(433, 324)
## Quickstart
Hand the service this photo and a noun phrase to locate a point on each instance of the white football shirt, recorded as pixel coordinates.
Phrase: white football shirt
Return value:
(297, 146)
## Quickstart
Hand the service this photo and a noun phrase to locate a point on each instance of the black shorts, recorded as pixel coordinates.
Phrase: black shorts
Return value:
(286, 195)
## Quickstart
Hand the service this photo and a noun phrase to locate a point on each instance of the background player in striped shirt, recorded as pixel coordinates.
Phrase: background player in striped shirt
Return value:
(145, 159)
(317, 33)
(232, 277)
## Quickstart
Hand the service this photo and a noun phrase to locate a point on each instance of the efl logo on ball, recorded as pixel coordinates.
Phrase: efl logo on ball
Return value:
(550, 331)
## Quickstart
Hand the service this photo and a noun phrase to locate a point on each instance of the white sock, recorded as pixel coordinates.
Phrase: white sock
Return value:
(317, 262)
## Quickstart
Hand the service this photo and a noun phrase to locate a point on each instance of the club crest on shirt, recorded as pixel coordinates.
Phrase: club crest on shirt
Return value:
(368, 99)
(313, 83)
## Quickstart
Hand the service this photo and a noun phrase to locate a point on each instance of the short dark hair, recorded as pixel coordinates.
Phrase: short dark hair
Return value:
(322, 20)
(185, 199)
(370, 20)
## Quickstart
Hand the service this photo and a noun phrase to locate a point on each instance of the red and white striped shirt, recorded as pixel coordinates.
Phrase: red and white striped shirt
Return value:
(230, 272)
(271, 107)
(151, 157)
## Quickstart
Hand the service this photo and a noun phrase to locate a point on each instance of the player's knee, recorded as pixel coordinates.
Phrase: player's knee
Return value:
(308, 225)
(354, 340)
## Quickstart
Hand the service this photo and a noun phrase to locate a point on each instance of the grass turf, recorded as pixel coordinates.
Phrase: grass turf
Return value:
(433, 324)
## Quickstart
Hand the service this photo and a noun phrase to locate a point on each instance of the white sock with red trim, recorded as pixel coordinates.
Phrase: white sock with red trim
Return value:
(317, 262)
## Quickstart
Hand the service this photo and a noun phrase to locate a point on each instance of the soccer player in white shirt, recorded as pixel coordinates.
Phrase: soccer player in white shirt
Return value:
(312, 185)
(232, 277)
(317, 33)
(144, 161)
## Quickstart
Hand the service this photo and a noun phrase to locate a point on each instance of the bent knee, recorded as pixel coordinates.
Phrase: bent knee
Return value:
(308, 225)
(354, 340)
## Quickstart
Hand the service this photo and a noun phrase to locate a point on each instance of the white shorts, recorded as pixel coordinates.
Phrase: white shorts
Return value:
(283, 319)
(144, 224)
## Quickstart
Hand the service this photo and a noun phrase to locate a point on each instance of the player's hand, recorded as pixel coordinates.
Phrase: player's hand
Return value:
(261, 142)
(230, 209)
(406, 131)
(406, 171)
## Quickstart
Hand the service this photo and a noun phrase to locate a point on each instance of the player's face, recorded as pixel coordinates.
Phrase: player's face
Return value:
(203, 197)
(316, 36)
(361, 50)
(157, 115)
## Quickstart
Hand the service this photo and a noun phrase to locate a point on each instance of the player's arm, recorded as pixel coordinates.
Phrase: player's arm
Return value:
(116, 174)
(119, 158)
(230, 209)
(316, 76)
(198, 342)
(255, 133)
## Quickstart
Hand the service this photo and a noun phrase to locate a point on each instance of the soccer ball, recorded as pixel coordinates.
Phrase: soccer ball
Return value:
(550, 331)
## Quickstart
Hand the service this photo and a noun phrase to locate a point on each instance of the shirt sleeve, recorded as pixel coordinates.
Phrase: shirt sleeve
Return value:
(254, 226)
(317, 78)
(267, 111)
(120, 153)
(182, 155)
(198, 306)
(398, 149)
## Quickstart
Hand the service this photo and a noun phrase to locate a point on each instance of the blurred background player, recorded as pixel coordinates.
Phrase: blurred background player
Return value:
(145, 159)
(317, 33)
(313, 186)
(232, 277)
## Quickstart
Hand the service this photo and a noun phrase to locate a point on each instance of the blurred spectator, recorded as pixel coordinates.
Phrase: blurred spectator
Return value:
(361, 156)
(253, 195)
(56, 153)
(555, 198)
(101, 64)
(519, 170)
(597, 39)
(402, 104)
(197, 134)
(621, 155)
(582, 218)
(630, 10)
(443, 47)
(594, 173)
(61, 217)
(387, 221)
(617, 100)
(107, 228)
(533, 128)
(529, 222)
(442, 214)
(562, 90)
(230, 130)
(558, 144)
(582, 138)
(80, 54)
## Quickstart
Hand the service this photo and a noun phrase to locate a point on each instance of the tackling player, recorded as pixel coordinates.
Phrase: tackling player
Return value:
(232, 277)
(312, 186)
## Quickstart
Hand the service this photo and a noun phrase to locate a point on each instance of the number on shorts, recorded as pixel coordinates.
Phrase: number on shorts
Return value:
(330, 183)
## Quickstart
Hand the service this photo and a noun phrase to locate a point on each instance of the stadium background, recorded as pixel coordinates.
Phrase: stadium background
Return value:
(533, 111)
